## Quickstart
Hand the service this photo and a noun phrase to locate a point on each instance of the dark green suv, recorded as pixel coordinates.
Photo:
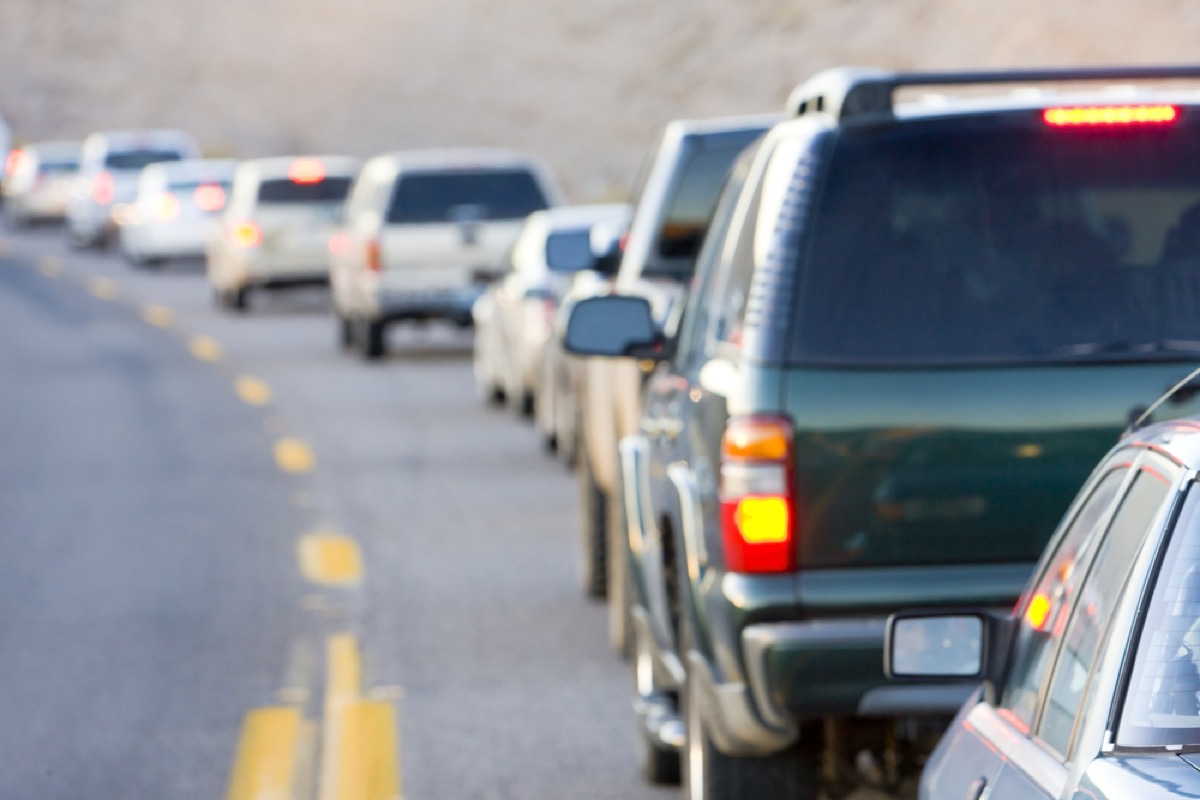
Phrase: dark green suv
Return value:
(915, 327)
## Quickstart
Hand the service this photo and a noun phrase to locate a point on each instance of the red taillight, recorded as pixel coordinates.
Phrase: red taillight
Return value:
(758, 507)
(14, 161)
(339, 243)
(104, 191)
(374, 261)
(209, 197)
(245, 234)
(306, 170)
(1110, 115)
(166, 207)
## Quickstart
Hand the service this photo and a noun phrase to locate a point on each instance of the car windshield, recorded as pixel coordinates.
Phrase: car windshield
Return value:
(1162, 702)
(136, 159)
(285, 191)
(1004, 239)
(465, 196)
(569, 251)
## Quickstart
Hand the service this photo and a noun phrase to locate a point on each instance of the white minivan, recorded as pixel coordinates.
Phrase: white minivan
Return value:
(424, 231)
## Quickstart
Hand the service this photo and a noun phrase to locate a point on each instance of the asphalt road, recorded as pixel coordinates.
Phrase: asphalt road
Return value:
(230, 548)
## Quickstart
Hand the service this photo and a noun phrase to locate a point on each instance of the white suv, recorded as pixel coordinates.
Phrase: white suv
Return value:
(423, 232)
(275, 231)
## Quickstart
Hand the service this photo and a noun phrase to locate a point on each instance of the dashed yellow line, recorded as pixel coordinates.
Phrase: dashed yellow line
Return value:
(265, 765)
(205, 348)
(252, 391)
(294, 455)
(103, 288)
(50, 266)
(158, 316)
(329, 558)
(359, 745)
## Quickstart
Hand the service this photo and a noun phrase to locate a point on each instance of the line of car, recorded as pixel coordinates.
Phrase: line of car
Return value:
(829, 384)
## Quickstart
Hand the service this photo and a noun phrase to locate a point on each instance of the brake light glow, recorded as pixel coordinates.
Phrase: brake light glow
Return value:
(339, 243)
(104, 191)
(1111, 115)
(1038, 612)
(209, 197)
(306, 170)
(15, 160)
(166, 207)
(758, 507)
(245, 234)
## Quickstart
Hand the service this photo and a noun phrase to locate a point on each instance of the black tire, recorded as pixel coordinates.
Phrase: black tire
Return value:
(345, 333)
(520, 403)
(372, 342)
(709, 774)
(593, 551)
(239, 299)
(620, 610)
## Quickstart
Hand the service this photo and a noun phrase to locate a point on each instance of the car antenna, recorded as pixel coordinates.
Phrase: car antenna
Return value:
(1145, 415)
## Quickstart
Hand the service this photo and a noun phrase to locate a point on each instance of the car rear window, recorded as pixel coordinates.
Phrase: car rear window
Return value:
(58, 167)
(569, 251)
(464, 196)
(136, 159)
(1003, 239)
(285, 191)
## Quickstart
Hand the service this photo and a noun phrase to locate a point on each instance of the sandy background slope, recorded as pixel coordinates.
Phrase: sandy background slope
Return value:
(585, 83)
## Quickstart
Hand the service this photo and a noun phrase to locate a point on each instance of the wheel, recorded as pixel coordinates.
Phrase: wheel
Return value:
(709, 774)
(593, 570)
(371, 342)
(345, 334)
(235, 299)
(566, 432)
(620, 610)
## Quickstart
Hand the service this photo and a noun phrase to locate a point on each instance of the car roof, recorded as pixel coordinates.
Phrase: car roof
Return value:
(195, 168)
(1178, 438)
(56, 148)
(717, 125)
(456, 158)
(274, 167)
(562, 217)
(138, 139)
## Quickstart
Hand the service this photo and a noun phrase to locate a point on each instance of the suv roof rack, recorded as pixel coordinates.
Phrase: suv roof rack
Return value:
(864, 95)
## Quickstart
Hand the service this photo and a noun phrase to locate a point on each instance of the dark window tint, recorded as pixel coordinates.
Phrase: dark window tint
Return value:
(1162, 704)
(58, 167)
(285, 190)
(1001, 239)
(569, 251)
(1044, 613)
(465, 196)
(136, 159)
(691, 203)
(1094, 608)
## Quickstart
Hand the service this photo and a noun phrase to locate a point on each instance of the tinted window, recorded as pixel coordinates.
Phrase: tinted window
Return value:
(136, 159)
(691, 203)
(465, 196)
(1044, 613)
(285, 190)
(569, 251)
(1094, 608)
(1004, 240)
(1162, 704)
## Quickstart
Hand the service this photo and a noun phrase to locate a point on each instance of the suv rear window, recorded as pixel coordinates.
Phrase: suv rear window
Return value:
(463, 196)
(569, 251)
(287, 191)
(136, 159)
(1002, 239)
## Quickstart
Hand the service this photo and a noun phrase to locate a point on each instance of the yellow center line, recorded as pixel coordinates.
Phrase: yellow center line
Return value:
(294, 455)
(358, 759)
(50, 266)
(103, 288)
(265, 765)
(252, 391)
(329, 558)
(205, 348)
(158, 316)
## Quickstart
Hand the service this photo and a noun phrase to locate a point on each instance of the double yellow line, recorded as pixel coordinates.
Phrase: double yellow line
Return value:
(358, 741)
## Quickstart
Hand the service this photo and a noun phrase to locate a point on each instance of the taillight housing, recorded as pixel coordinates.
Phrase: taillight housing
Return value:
(339, 243)
(373, 257)
(245, 234)
(104, 190)
(166, 207)
(209, 197)
(758, 507)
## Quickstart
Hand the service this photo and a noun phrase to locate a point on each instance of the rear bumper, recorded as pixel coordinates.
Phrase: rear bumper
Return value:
(454, 304)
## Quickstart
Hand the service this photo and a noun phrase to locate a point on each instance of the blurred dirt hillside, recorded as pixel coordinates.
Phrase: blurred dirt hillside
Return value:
(585, 83)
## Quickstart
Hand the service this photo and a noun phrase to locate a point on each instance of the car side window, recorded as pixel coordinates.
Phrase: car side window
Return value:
(1093, 609)
(1044, 613)
(699, 309)
(736, 268)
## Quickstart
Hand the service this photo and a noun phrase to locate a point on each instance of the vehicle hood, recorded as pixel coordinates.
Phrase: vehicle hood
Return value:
(1145, 776)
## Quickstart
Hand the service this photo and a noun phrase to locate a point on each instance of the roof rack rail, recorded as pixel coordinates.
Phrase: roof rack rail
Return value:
(1145, 417)
(864, 95)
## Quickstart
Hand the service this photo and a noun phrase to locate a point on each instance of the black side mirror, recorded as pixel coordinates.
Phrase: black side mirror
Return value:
(606, 245)
(614, 326)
